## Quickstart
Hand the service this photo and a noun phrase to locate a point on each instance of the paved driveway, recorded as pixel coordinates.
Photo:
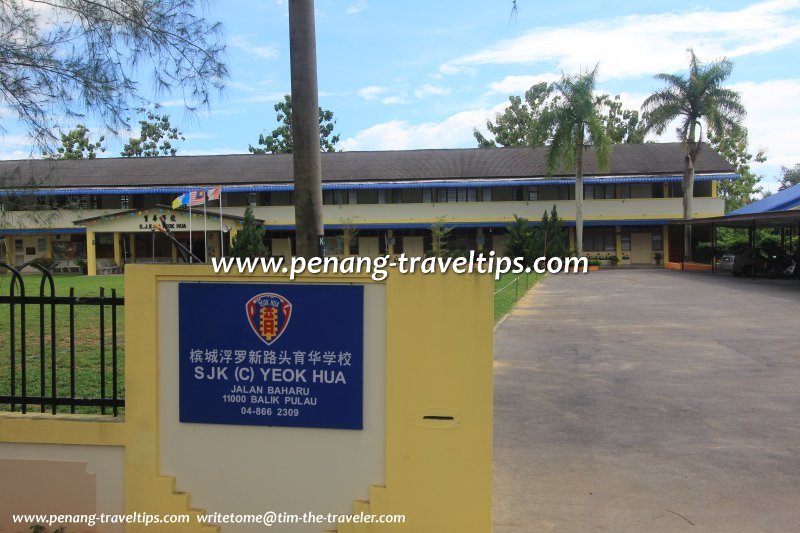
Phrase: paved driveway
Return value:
(649, 400)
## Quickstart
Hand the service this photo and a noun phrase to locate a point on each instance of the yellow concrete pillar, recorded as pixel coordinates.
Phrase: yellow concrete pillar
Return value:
(9, 249)
(665, 243)
(48, 247)
(618, 241)
(91, 254)
(234, 231)
(713, 188)
(117, 249)
(571, 233)
(132, 247)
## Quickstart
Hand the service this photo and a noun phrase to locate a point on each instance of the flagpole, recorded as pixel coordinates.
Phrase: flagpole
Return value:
(191, 254)
(205, 227)
(221, 232)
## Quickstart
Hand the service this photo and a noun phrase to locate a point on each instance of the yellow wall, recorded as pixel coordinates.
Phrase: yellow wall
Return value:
(632, 209)
(438, 363)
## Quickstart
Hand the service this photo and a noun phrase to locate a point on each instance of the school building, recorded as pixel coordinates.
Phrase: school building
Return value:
(101, 212)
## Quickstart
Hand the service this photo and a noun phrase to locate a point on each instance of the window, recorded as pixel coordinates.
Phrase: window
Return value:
(625, 239)
(599, 240)
(487, 194)
(658, 244)
(427, 196)
(352, 196)
(658, 190)
(41, 245)
(452, 195)
(533, 194)
(566, 192)
(382, 195)
(441, 195)
(17, 245)
(472, 195)
(125, 201)
(252, 199)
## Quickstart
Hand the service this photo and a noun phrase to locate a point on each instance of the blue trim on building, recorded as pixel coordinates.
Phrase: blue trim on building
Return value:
(43, 231)
(419, 225)
(422, 184)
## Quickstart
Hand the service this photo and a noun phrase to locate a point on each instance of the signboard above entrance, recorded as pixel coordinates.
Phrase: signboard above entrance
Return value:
(271, 355)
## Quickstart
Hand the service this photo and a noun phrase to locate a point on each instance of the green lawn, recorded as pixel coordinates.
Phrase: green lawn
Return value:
(87, 341)
(511, 288)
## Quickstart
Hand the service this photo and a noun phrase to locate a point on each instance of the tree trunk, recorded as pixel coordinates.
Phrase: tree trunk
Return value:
(688, 210)
(579, 199)
(305, 130)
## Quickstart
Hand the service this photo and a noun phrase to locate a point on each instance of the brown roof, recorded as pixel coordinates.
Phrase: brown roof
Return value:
(474, 163)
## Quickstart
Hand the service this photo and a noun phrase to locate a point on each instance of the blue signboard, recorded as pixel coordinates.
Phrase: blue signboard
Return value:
(272, 355)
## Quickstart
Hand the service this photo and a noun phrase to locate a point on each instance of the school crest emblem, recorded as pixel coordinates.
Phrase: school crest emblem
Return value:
(268, 314)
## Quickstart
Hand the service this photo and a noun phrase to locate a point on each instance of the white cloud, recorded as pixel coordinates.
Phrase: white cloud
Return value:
(772, 117)
(519, 84)
(453, 131)
(637, 45)
(16, 154)
(213, 151)
(428, 90)
(395, 100)
(371, 92)
(356, 7)
(260, 51)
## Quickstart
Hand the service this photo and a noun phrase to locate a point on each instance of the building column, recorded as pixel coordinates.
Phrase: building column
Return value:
(390, 237)
(132, 247)
(233, 233)
(665, 243)
(480, 239)
(9, 249)
(117, 249)
(91, 254)
(618, 241)
(174, 253)
(571, 233)
(48, 247)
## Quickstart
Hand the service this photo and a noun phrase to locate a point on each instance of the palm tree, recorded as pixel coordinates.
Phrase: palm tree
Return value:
(695, 100)
(305, 129)
(577, 123)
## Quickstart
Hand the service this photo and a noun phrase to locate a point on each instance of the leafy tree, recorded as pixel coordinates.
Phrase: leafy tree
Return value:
(154, 141)
(732, 145)
(789, 177)
(520, 240)
(548, 238)
(623, 126)
(531, 123)
(78, 58)
(280, 141)
(696, 99)
(76, 145)
(577, 124)
(522, 124)
(440, 235)
(249, 242)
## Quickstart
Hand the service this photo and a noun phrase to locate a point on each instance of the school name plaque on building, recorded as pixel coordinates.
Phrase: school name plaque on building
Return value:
(271, 355)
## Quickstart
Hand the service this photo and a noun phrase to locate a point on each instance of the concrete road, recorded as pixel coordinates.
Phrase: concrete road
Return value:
(649, 400)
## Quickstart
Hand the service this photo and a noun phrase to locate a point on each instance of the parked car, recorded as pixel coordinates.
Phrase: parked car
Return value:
(726, 262)
(767, 262)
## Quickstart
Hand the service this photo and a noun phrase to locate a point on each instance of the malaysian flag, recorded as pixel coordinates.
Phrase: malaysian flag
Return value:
(197, 197)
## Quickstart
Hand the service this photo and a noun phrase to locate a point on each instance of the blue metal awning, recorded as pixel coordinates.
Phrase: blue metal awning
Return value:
(419, 184)
(499, 224)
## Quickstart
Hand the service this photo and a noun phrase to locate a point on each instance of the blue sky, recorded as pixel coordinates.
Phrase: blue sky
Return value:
(404, 75)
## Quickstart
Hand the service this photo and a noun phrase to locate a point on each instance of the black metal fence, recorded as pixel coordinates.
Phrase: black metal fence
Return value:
(45, 370)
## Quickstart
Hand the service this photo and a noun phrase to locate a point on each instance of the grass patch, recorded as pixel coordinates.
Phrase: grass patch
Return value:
(86, 338)
(511, 288)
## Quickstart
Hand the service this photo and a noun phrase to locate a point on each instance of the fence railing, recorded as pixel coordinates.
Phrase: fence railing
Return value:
(50, 364)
